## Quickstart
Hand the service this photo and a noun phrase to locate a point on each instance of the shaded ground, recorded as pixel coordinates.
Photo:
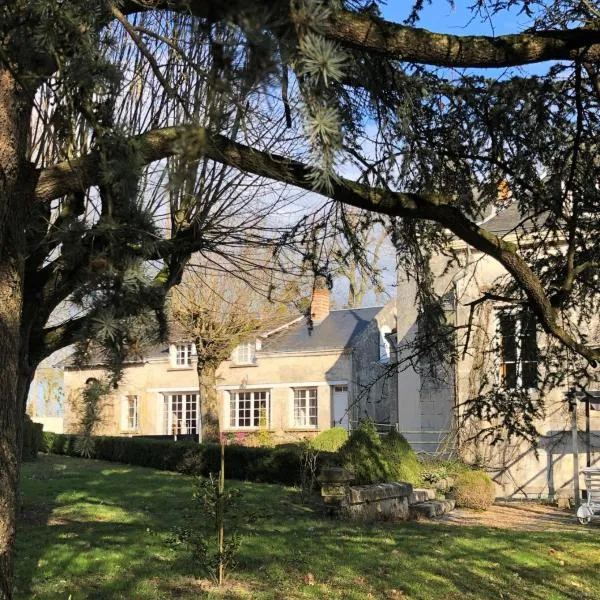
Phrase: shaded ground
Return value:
(525, 516)
(95, 530)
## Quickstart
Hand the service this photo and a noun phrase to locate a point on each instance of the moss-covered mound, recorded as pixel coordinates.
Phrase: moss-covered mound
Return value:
(330, 440)
(363, 455)
(401, 458)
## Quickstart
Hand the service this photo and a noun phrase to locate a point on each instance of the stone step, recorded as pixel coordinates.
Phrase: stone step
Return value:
(444, 484)
(431, 508)
(421, 495)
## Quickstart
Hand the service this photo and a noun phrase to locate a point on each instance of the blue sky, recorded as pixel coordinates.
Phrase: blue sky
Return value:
(441, 17)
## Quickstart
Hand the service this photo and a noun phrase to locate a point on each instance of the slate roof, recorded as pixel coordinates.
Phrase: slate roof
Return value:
(510, 220)
(340, 329)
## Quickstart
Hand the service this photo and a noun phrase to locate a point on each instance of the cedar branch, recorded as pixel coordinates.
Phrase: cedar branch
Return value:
(194, 142)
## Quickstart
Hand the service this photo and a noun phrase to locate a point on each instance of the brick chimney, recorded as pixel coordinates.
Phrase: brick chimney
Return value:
(319, 306)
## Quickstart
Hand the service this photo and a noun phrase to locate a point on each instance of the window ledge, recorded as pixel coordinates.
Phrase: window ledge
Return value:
(181, 368)
(531, 391)
(246, 429)
(300, 429)
(242, 365)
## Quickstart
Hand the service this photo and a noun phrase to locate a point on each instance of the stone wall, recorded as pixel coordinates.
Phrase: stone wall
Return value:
(378, 502)
(519, 470)
(425, 395)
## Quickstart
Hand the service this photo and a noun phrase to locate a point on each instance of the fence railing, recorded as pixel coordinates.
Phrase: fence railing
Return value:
(425, 441)
(382, 428)
(435, 442)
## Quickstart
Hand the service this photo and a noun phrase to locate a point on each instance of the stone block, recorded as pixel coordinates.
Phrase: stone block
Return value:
(421, 495)
(380, 502)
(335, 475)
(431, 509)
(444, 484)
(373, 493)
(388, 509)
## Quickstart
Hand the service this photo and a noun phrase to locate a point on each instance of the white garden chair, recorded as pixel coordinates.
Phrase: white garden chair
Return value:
(587, 510)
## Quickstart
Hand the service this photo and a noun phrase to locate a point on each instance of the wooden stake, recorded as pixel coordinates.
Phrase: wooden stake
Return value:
(220, 513)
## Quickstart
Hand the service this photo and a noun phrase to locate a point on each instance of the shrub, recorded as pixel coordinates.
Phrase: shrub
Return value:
(330, 440)
(266, 465)
(473, 489)
(435, 470)
(362, 454)
(213, 528)
(33, 434)
(401, 458)
(309, 463)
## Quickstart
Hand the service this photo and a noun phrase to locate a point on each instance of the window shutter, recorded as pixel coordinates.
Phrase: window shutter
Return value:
(173, 355)
(124, 410)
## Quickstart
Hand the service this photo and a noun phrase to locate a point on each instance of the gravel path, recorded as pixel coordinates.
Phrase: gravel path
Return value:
(521, 515)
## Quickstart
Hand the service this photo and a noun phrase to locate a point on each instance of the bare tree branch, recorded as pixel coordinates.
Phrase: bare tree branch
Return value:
(197, 141)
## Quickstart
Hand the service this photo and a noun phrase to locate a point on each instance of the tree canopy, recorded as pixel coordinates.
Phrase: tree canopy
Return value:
(426, 143)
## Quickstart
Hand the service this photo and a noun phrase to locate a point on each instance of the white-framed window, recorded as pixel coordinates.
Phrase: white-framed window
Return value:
(130, 413)
(181, 414)
(517, 348)
(183, 355)
(384, 344)
(305, 407)
(245, 353)
(249, 409)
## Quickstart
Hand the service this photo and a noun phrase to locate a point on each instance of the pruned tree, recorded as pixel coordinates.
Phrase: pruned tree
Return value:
(218, 311)
(356, 255)
(94, 99)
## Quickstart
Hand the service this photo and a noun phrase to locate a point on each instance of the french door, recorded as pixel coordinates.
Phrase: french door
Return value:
(181, 414)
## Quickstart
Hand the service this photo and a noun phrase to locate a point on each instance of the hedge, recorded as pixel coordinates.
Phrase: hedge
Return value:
(362, 454)
(267, 465)
(32, 438)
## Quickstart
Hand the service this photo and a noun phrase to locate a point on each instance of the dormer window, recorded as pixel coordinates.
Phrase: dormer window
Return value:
(245, 354)
(183, 355)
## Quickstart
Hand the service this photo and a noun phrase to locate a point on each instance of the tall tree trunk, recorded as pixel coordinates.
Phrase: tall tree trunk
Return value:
(14, 185)
(209, 408)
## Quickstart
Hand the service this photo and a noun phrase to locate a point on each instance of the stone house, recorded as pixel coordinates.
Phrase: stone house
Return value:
(293, 379)
(502, 351)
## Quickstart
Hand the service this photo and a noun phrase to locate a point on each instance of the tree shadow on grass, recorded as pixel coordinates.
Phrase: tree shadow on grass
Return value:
(425, 560)
(97, 531)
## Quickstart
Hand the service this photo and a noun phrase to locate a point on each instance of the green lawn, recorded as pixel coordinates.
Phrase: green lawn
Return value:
(96, 530)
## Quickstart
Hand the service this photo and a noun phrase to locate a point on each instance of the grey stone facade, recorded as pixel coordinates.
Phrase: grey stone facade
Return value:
(375, 382)
(427, 407)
